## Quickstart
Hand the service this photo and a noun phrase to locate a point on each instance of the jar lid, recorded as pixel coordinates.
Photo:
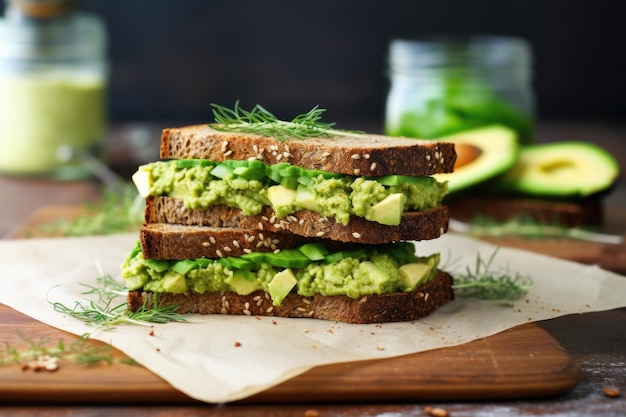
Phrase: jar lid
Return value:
(71, 39)
(43, 9)
(478, 52)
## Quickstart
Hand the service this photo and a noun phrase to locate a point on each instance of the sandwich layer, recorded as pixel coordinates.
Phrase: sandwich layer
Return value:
(392, 307)
(359, 154)
(422, 225)
(251, 185)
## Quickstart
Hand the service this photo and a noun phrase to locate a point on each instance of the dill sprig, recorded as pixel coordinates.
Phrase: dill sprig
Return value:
(77, 351)
(106, 311)
(116, 211)
(260, 121)
(102, 313)
(487, 284)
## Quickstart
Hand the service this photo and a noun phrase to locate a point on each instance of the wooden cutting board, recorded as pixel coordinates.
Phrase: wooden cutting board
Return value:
(523, 362)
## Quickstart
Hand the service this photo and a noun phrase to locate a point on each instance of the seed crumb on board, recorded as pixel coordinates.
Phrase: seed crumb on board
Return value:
(42, 363)
(611, 392)
(436, 411)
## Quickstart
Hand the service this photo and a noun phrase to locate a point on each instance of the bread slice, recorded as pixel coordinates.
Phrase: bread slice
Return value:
(174, 241)
(398, 306)
(422, 225)
(363, 154)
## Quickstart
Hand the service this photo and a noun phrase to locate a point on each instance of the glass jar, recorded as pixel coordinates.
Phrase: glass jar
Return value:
(440, 85)
(53, 73)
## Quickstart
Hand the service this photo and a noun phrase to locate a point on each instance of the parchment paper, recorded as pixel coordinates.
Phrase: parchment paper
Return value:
(224, 358)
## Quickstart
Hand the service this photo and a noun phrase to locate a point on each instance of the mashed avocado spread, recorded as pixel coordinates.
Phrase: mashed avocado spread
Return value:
(250, 185)
(380, 270)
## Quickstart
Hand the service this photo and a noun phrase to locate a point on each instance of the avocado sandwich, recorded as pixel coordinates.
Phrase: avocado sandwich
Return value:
(256, 216)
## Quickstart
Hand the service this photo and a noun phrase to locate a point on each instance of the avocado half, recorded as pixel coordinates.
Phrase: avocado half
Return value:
(572, 170)
(482, 154)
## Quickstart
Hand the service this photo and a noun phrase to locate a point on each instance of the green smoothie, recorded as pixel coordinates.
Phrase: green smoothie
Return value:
(41, 111)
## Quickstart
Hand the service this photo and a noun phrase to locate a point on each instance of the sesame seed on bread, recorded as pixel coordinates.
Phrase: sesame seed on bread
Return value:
(419, 225)
(175, 241)
(362, 154)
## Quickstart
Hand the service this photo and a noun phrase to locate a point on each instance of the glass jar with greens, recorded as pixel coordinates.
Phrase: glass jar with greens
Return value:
(440, 85)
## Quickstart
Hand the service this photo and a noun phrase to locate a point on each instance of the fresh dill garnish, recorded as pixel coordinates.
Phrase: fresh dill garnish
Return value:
(106, 289)
(104, 312)
(77, 351)
(107, 311)
(115, 212)
(487, 284)
(262, 122)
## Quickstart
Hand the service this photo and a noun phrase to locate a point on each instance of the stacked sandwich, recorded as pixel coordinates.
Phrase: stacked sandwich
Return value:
(318, 226)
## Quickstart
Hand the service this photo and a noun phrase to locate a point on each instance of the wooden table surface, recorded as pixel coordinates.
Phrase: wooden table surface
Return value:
(597, 341)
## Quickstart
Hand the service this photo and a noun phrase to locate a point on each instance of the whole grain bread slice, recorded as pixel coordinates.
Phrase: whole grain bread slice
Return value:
(362, 154)
(398, 306)
(175, 241)
(422, 225)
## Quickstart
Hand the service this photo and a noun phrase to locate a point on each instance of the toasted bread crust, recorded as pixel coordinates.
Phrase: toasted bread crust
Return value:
(368, 155)
(174, 241)
(394, 307)
(422, 225)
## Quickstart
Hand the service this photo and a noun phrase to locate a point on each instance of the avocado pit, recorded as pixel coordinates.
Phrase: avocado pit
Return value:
(466, 153)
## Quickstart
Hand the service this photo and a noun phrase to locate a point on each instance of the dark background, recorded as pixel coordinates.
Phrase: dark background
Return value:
(171, 58)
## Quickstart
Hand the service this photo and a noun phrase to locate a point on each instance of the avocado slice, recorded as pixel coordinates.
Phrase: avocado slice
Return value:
(243, 282)
(281, 196)
(280, 286)
(389, 210)
(482, 154)
(305, 198)
(376, 274)
(571, 169)
(143, 180)
(416, 274)
(174, 282)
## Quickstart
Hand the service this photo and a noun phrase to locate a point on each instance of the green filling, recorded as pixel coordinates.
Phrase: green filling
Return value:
(308, 270)
(251, 185)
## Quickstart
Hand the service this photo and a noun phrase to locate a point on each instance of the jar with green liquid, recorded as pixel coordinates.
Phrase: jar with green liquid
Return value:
(53, 73)
(440, 85)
